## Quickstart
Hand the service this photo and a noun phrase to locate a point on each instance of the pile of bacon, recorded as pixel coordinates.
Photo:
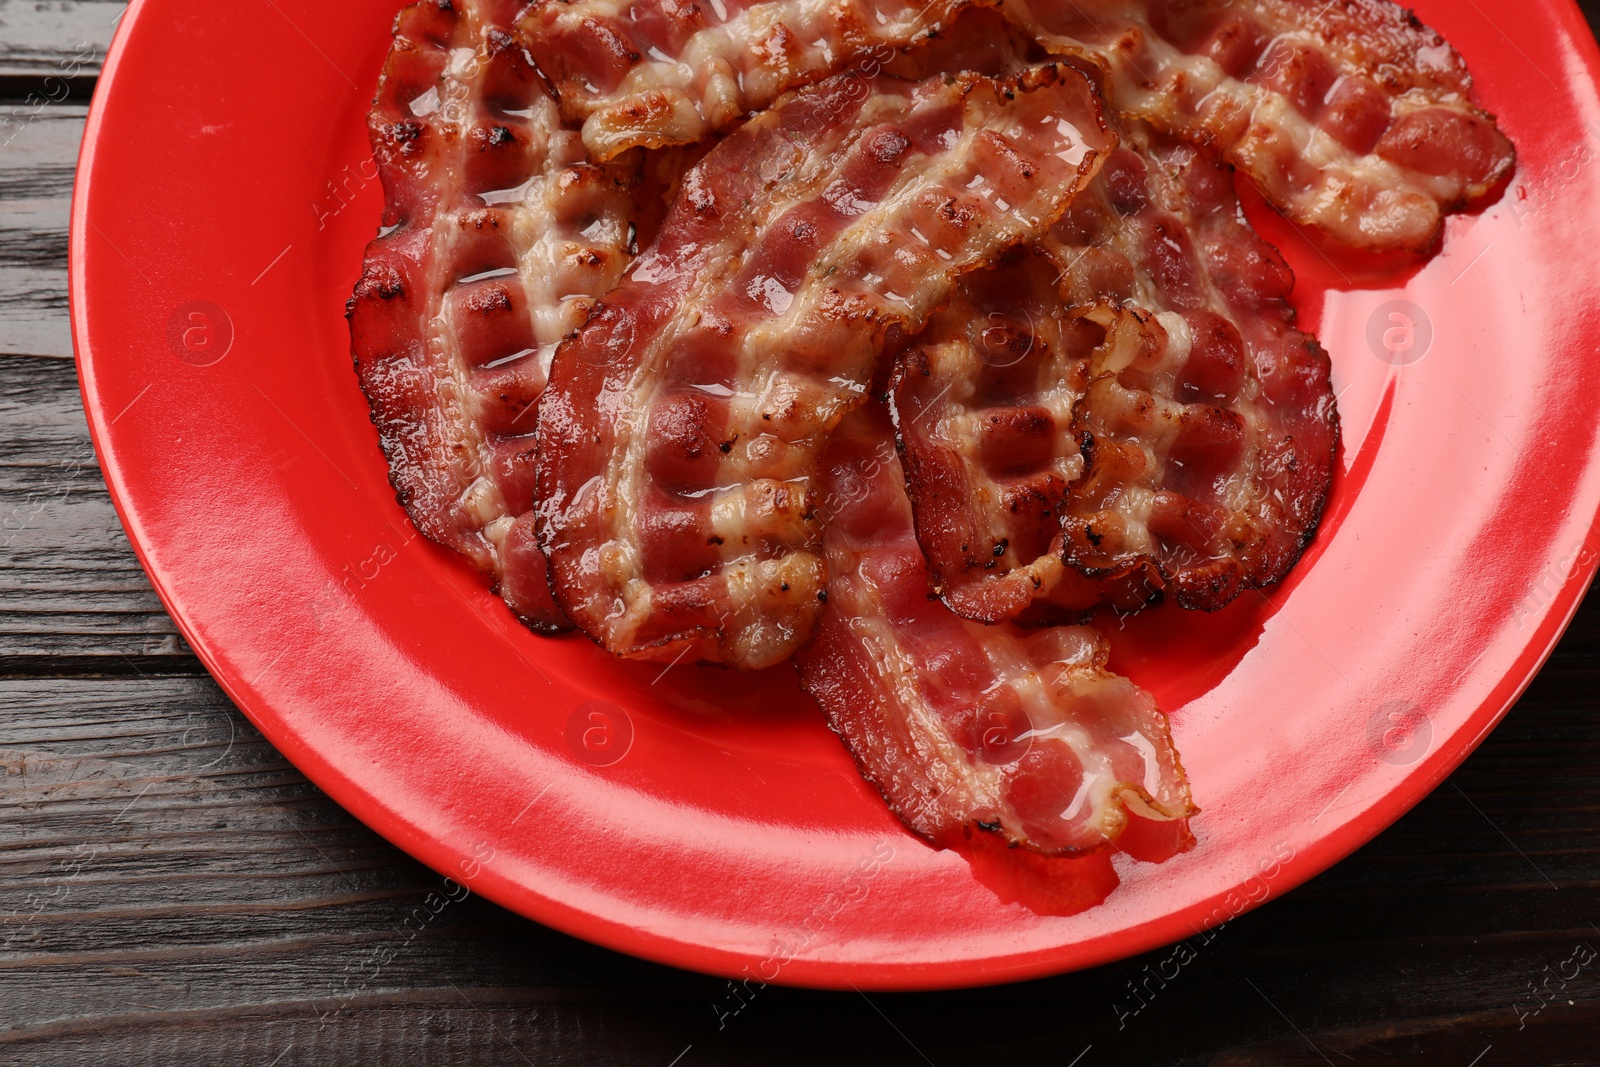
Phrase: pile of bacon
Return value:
(894, 336)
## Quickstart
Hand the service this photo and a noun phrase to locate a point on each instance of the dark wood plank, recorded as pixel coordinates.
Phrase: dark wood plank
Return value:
(36, 169)
(168, 882)
(72, 595)
(50, 53)
(65, 40)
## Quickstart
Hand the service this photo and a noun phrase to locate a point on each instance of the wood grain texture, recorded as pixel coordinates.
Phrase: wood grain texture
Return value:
(36, 167)
(72, 595)
(64, 39)
(173, 892)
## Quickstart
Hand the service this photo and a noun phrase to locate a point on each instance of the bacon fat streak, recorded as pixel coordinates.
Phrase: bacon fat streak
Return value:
(498, 234)
(680, 432)
(967, 728)
(1125, 413)
(1347, 115)
(668, 72)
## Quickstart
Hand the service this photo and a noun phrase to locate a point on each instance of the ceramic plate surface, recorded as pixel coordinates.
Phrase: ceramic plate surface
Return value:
(711, 820)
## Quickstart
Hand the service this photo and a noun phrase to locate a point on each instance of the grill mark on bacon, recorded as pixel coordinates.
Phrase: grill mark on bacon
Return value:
(668, 72)
(480, 182)
(753, 325)
(1350, 116)
(965, 728)
(1145, 422)
(983, 401)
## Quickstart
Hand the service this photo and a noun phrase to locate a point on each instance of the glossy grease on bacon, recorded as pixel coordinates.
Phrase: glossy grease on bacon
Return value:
(498, 234)
(1348, 115)
(967, 728)
(1143, 420)
(983, 401)
(668, 72)
(680, 432)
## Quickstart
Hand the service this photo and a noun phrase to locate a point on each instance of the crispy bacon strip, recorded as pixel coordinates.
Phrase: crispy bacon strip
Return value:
(680, 432)
(973, 38)
(1348, 115)
(497, 235)
(984, 402)
(965, 727)
(1145, 421)
(665, 72)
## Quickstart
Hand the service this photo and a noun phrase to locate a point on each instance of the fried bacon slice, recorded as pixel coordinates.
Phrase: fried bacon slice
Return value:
(497, 235)
(984, 401)
(967, 728)
(680, 432)
(1348, 115)
(1124, 413)
(667, 72)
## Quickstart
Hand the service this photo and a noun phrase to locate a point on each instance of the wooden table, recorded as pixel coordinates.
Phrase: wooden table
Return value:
(173, 892)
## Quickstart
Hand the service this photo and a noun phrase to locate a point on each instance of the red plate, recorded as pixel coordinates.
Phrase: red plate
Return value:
(710, 820)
